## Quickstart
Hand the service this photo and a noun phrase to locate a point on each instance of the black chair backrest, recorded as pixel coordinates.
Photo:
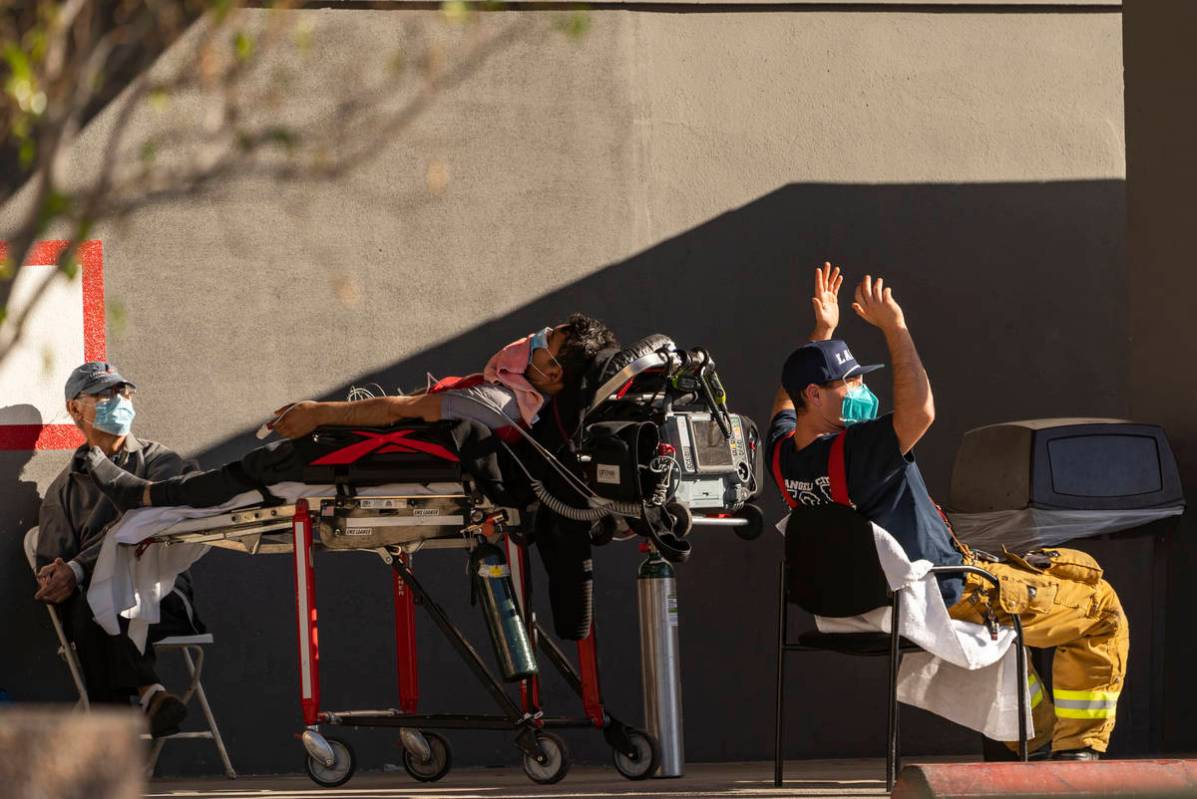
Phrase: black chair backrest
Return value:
(832, 567)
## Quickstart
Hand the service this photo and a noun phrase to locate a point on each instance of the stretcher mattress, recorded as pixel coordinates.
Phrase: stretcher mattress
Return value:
(129, 584)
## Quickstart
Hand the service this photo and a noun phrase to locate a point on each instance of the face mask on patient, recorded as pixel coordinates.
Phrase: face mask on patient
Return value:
(540, 341)
(115, 415)
(860, 405)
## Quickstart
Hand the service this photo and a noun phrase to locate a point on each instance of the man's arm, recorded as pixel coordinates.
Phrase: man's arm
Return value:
(825, 302)
(304, 417)
(914, 405)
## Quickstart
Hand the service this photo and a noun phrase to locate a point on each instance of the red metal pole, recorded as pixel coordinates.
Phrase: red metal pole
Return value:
(305, 610)
(406, 661)
(592, 699)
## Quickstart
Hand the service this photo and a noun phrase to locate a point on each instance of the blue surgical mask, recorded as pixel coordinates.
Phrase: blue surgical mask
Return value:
(540, 341)
(860, 405)
(115, 416)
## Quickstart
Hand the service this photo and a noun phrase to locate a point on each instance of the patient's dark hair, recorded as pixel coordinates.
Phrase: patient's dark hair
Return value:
(585, 338)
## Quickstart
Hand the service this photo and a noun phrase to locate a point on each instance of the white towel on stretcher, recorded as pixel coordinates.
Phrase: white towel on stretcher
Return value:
(964, 675)
(123, 584)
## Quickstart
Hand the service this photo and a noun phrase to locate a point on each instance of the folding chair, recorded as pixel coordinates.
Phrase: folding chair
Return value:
(831, 569)
(190, 646)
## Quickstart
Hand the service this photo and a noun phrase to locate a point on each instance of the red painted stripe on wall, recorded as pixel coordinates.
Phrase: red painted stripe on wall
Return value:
(95, 341)
(39, 436)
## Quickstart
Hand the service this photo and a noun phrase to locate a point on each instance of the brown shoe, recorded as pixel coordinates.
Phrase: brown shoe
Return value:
(165, 713)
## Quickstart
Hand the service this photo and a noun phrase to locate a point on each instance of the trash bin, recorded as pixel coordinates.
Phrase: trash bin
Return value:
(1042, 482)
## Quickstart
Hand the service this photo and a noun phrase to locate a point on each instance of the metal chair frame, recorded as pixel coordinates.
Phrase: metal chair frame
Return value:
(784, 646)
(189, 646)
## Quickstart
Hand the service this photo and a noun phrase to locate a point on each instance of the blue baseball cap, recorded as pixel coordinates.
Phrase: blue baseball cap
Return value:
(92, 378)
(821, 362)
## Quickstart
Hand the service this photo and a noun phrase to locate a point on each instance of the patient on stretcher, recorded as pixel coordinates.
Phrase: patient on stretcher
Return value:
(508, 394)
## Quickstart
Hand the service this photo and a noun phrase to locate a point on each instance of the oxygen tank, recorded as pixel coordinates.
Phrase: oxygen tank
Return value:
(656, 594)
(492, 584)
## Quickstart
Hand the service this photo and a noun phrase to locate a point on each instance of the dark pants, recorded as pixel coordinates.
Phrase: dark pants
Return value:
(112, 667)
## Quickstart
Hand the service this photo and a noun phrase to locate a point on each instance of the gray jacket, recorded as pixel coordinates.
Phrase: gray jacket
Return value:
(75, 515)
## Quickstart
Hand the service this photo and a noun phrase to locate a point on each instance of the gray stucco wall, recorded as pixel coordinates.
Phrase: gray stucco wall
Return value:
(670, 171)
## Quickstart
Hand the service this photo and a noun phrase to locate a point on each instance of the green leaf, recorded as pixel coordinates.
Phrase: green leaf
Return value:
(243, 46)
(71, 268)
(456, 12)
(55, 205)
(282, 137)
(575, 24)
(27, 152)
(220, 9)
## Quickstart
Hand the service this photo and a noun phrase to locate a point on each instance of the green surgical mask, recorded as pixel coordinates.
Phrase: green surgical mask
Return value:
(860, 405)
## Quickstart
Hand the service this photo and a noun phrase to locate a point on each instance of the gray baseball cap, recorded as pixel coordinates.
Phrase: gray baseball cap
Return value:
(92, 378)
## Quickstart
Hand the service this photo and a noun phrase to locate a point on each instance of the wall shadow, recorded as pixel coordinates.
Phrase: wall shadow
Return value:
(1015, 293)
(29, 667)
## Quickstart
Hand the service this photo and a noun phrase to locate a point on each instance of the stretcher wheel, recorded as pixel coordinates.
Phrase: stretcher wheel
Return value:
(438, 764)
(683, 519)
(555, 762)
(644, 762)
(756, 522)
(341, 769)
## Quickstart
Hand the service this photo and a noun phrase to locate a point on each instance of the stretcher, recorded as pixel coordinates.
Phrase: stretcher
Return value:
(658, 452)
(396, 521)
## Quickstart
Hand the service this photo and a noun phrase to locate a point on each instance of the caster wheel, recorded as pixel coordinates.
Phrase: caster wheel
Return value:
(756, 523)
(438, 764)
(683, 519)
(643, 763)
(555, 762)
(341, 769)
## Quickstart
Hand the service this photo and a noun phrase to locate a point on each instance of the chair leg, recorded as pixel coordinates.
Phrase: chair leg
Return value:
(202, 697)
(152, 762)
(1021, 661)
(891, 751)
(778, 711)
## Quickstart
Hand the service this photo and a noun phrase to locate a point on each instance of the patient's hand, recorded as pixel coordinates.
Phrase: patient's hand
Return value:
(56, 582)
(826, 301)
(298, 419)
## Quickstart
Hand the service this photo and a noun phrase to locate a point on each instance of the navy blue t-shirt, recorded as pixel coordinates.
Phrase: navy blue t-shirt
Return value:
(886, 486)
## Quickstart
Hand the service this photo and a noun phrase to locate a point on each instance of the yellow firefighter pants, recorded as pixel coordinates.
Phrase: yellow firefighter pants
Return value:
(1067, 606)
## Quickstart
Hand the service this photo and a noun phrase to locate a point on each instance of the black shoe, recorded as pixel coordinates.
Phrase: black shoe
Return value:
(165, 712)
(1077, 754)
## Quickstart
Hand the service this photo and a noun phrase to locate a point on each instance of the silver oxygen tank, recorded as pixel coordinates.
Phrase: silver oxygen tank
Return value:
(660, 666)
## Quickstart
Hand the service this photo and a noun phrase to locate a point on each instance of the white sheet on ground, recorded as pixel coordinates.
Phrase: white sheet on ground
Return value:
(963, 675)
(123, 584)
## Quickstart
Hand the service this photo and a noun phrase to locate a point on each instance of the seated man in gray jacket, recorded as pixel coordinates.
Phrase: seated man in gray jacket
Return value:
(74, 517)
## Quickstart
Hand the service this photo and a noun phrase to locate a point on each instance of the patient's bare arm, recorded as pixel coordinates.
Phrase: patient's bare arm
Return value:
(304, 417)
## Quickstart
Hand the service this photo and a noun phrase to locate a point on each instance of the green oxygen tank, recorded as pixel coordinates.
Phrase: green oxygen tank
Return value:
(491, 579)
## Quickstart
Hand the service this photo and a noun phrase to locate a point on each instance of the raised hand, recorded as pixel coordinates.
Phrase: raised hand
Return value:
(876, 305)
(826, 301)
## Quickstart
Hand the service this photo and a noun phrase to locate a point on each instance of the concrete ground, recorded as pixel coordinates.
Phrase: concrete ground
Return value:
(805, 778)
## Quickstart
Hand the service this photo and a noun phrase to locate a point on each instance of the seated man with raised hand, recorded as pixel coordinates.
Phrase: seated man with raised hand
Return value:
(824, 404)
(509, 393)
(73, 520)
